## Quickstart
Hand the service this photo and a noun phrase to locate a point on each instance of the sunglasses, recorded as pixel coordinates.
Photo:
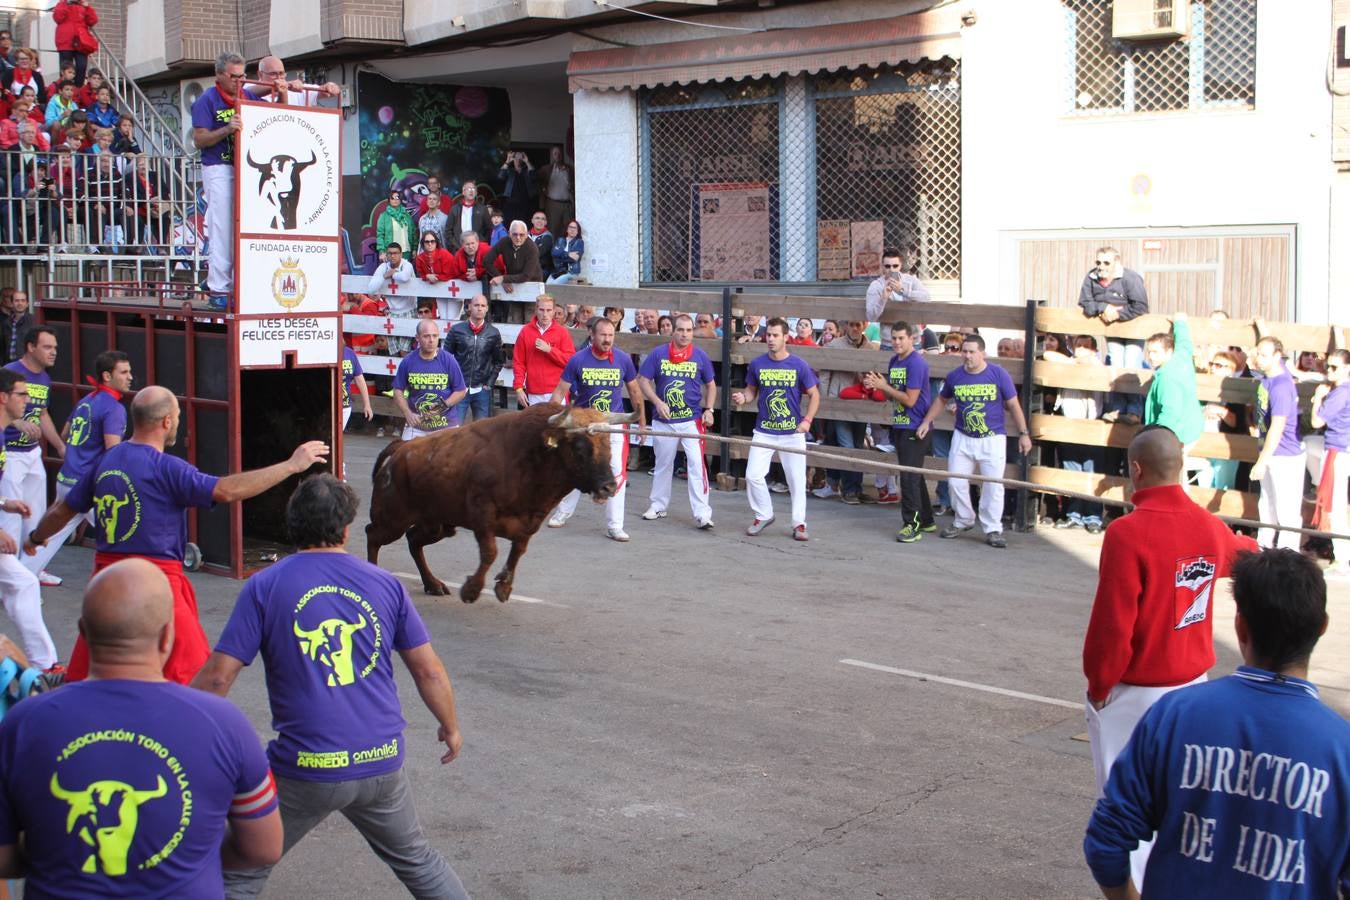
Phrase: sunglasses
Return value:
(896, 266)
(1221, 365)
(430, 241)
(1105, 262)
(952, 347)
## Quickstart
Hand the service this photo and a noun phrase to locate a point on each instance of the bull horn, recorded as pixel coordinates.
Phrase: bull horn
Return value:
(61, 793)
(261, 167)
(142, 796)
(621, 418)
(562, 419)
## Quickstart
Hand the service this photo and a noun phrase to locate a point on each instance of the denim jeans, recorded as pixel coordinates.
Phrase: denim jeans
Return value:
(479, 404)
(849, 435)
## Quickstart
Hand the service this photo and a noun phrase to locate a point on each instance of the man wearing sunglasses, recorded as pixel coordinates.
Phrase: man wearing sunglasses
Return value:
(893, 286)
(1114, 293)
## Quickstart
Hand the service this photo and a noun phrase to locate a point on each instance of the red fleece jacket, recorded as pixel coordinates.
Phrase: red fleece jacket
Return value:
(533, 369)
(1152, 619)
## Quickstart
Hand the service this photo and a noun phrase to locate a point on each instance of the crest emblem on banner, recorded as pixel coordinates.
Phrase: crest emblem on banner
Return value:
(289, 284)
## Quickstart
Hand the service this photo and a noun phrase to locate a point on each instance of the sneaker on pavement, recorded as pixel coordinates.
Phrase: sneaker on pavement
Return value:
(952, 531)
(888, 497)
(704, 524)
(851, 499)
(929, 528)
(778, 487)
(558, 519)
(865, 498)
(47, 579)
(799, 533)
(653, 513)
(615, 533)
(823, 493)
(941, 510)
(1092, 526)
(908, 535)
(758, 526)
(996, 539)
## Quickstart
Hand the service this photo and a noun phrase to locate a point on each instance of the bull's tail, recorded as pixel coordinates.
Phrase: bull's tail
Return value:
(382, 459)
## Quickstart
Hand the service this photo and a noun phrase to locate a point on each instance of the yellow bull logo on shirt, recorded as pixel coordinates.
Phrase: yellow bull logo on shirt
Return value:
(778, 405)
(105, 816)
(975, 422)
(331, 645)
(602, 401)
(675, 399)
(79, 430)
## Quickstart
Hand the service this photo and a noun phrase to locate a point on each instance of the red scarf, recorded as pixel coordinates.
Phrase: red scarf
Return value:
(538, 231)
(226, 96)
(467, 204)
(477, 328)
(116, 395)
(608, 357)
(678, 356)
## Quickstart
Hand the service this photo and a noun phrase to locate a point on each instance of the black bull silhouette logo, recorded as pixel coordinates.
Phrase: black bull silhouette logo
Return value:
(279, 185)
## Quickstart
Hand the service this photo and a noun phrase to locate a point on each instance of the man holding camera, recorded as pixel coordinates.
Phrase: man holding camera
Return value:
(893, 286)
(518, 187)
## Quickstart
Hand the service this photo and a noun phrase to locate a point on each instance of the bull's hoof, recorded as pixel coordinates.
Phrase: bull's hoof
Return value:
(469, 593)
(503, 590)
(436, 589)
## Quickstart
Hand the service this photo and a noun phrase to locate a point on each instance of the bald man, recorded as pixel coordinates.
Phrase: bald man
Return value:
(127, 785)
(276, 89)
(1151, 629)
(141, 496)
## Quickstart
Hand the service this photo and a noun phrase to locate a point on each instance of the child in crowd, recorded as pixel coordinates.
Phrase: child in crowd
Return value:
(498, 229)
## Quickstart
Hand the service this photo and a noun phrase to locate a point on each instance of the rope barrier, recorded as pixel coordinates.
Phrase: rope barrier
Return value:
(939, 475)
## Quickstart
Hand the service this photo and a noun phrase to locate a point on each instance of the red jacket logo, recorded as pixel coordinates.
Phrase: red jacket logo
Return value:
(1195, 585)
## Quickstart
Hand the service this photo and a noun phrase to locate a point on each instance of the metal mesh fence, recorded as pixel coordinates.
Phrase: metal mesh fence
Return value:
(1214, 65)
(803, 179)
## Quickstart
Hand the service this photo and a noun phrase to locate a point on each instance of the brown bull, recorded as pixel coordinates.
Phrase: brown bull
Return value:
(499, 477)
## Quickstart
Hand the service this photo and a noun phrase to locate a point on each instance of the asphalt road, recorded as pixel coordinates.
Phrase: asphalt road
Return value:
(685, 715)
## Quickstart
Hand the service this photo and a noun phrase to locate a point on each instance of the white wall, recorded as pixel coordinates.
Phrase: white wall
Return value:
(1029, 166)
(607, 178)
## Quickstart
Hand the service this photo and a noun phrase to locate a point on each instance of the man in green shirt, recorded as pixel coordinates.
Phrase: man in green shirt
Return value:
(1172, 401)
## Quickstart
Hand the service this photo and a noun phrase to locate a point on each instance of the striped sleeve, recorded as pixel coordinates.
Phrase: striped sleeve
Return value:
(258, 801)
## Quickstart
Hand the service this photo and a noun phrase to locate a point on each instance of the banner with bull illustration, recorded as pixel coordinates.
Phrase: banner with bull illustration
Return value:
(288, 184)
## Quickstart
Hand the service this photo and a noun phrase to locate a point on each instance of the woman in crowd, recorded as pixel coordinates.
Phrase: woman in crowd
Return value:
(395, 225)
(1331, 410)
(25, 74)
(828, 332)
(434, 263)
(665, 326)
(124, 139)
(1223, 418)
(567, 253)
(804, 335)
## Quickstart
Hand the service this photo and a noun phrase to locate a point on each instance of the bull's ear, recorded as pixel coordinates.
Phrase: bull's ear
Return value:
(562, 419)
(621, 418)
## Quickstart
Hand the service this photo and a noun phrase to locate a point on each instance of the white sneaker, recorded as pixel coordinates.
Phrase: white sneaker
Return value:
(704, 524)
(47, 579)
(823, 493)
(615, 533)
(653, 513)
(558, 519)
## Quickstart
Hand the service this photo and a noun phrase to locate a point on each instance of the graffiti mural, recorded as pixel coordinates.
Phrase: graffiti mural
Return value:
(411, 131)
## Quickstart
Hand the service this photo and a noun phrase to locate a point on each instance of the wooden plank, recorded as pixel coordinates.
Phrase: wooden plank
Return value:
(1096, 433)
(1204, 331)
(1238, 504)
(1209, 388)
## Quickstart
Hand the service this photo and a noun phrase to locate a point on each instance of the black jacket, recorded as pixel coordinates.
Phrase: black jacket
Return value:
(12, 334)
(480, 356)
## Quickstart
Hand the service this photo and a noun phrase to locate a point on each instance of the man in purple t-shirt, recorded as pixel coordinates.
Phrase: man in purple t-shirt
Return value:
(126, 785)
(984, 394)
(428, 385)
(597, 376)
(678, 382)
(1279, 467)
(779, 381)
(327, 625)
(905, 382)
(1331, 410)
(214, 126)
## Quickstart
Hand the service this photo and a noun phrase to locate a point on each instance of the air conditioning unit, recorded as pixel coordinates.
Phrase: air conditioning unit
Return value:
(188, 91)
(1146, 20)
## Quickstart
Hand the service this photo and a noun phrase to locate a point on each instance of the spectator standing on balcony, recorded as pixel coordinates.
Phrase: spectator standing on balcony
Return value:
(567, 253)
(543, 242)
(893, 286)
(25, 74)
(395, 225)
(277, 89)
(434, 189)
(498, 225)
(67, 74)
(435, 263)
(555, 183)
(1113, 293)
(518, 188)
(470, 260)
(93, 80)
(6, 53)
(15, 320)
(466, 214)
(102, 113)
(515, 258)
(1280, 465)
(432, 221)
(74, 40)
(214, 126)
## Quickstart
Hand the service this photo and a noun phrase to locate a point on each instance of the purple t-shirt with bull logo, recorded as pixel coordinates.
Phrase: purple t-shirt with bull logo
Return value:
(328, 626)
(1277, 395)
(599, 383)
(429, 383)
(781, 383)
(351, 370)
(123, 788)
(140, 499)
(979, 399)
(680, 385)
(39, 390)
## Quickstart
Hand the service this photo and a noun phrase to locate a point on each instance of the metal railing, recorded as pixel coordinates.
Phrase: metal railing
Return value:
(160, 137)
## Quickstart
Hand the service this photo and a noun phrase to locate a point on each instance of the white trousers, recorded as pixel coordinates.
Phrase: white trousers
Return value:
(987, 456)
(38, 561)
(618, 465)
(665, 447)
(410, 432)
(23, 601)
(218, 185)
(532, 399)
(1109, 730)
(1281, 501)
(25, 479)
(794, 466)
